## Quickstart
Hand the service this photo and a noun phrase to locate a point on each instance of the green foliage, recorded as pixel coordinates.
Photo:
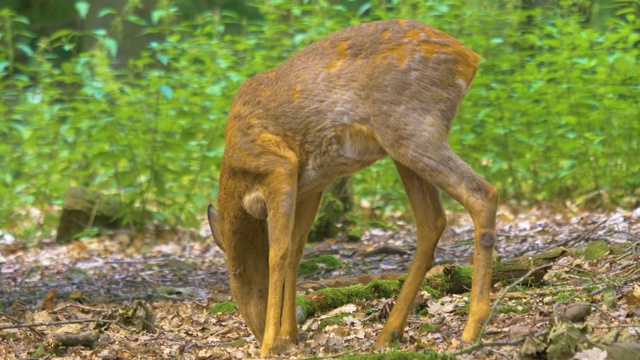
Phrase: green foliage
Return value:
(552, 114)
(317, 264)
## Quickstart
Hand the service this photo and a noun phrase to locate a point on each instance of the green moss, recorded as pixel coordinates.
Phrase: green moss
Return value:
(564, 296)
(316, 264)
(336, 297)
(325, 300)
(596, 249)
(453, 279)
(591, 288)
(355, 233)
(431, 291)
(332, 320)
(384, 288)
(513, 309)
(618, 248)
(223, 307)
(309, 306)
(331, 298)
(460, 274)
(401, 279)
(397, 355)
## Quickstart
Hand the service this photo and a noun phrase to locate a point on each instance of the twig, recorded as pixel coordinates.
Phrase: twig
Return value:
(479, 343)
(312, 282)
(616, 326)
(632, 235)
(515, 235)
(78, 306)
(622, 282)
(35, 331)
(583, 235)
(335, 355)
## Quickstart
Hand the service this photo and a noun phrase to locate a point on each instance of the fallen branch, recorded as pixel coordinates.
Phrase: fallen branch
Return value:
(88, 339)
(479, 343)
(78, 306)
(37, 332)
(67, 322)
(582, 236)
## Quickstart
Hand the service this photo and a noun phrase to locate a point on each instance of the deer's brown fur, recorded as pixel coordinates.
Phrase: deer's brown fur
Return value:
(382, 88)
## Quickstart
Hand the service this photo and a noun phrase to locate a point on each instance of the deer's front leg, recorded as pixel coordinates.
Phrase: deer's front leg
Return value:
(280, 191)
(306, 210)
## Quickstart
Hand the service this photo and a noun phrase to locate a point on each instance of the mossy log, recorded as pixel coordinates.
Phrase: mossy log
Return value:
(85, 209)
(452, 280)
(515, 268)
(317, 264)
(457, 279)
(328, 299)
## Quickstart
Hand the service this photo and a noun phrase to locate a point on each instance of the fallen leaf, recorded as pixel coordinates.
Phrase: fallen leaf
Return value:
(49, 302)
(345, 309)
(610, 298)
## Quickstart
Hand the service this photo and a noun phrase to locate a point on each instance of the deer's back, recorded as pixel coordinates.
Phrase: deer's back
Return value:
(330, 102)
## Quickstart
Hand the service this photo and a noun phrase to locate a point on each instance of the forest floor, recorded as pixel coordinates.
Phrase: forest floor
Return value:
(122, 297)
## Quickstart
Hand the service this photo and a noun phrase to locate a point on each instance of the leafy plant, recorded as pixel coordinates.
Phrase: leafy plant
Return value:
(552, 113)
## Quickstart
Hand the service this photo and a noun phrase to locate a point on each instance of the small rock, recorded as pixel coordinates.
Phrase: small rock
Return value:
(574, 312)
(6, 238)
(519, 331)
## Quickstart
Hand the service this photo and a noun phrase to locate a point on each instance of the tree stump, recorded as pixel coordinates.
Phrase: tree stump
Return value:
(84, 209)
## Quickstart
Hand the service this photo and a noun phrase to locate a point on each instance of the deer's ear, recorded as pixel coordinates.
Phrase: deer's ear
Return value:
(214, 225)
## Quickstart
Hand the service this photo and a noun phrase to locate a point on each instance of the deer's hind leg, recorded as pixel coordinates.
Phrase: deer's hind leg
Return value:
(421, 146)
(430, 221)
(480, 199)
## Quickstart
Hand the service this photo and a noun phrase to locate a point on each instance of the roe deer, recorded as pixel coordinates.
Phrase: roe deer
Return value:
(381, 88)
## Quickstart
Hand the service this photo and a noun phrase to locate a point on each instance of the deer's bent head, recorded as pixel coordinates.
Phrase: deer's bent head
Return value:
(247, 252)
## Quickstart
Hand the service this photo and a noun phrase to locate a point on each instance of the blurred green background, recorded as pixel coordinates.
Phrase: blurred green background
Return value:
(130, 97)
